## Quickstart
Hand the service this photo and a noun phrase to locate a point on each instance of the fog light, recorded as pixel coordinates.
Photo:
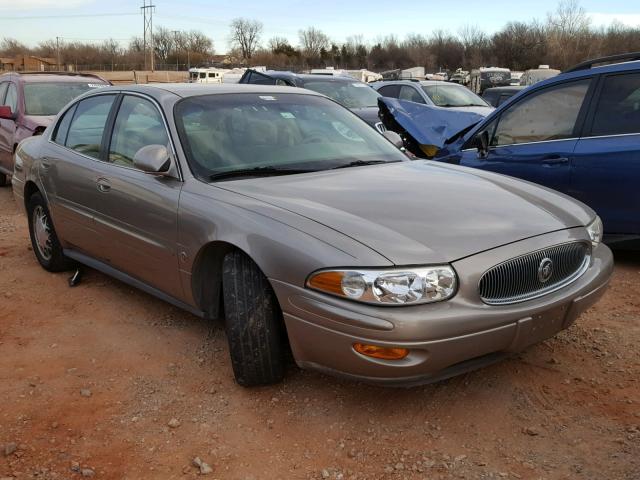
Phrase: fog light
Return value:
(384, 353)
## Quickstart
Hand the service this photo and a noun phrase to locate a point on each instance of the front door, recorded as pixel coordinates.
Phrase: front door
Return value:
(535, 138)
(137, 212)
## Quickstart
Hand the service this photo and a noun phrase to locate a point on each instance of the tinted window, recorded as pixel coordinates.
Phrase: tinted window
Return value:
(222, 133)
(3, 90)
(392, 91)
(87, 126)
(618, 109)
(63, 126)
(12, 97)
(259, 79)
(137, 125)
(548, 115)
(410, 94)
(50, 98)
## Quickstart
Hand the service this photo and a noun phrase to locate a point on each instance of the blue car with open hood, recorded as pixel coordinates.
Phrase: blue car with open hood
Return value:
(578, 133)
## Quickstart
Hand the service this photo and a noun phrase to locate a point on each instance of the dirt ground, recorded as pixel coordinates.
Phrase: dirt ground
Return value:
(103, 380)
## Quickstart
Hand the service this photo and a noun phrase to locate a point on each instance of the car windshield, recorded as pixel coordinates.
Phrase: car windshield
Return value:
(349, 94)
(49, 98)
(239, 132)
(453, 96)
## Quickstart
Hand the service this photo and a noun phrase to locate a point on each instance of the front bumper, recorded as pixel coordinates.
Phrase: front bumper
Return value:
(445, 338)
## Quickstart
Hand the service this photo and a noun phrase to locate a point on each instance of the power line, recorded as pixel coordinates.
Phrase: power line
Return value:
(87, 15)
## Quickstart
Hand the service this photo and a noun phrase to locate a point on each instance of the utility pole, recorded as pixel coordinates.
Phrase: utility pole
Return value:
(175, 36)
(58, 52)
(147, 12)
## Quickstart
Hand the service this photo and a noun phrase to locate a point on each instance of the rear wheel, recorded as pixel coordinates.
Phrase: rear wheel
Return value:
(253, 322)
(44, 240)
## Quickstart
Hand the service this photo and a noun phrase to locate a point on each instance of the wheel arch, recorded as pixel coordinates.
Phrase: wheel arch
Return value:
(30, 188)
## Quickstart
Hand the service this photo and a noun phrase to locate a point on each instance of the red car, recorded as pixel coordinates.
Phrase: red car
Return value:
(28, 104)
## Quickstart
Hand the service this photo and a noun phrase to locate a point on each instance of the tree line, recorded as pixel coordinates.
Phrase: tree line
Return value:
(565, 37)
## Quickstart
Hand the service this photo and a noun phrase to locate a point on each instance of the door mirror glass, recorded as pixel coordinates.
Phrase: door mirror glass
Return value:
(6, 113)
(482, 144)
(394, 138)
(153, 159)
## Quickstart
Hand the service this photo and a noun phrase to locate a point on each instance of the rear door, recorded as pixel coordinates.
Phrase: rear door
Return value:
(9, 93)
(68, 171)
(535, 137)
(606, 168)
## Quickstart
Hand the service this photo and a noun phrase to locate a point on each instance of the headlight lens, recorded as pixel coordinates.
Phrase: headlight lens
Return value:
(595, 230)
(388, 287)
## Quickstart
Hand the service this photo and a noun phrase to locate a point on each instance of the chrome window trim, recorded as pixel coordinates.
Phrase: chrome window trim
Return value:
(120, 92)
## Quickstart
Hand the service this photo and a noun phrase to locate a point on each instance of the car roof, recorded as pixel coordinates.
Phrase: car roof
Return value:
(54, 77)
(311, 76)
(197, 89)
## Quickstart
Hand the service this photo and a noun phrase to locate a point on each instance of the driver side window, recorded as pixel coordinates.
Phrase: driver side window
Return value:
(548, 115)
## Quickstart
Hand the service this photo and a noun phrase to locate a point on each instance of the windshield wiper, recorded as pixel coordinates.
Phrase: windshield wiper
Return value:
(361, 163)
(257, 172)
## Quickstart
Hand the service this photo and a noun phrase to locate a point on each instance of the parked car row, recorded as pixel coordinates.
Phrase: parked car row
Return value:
(287, 214)
(278, 209)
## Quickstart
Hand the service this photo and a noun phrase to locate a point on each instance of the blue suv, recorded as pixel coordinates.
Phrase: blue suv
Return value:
(578, 133)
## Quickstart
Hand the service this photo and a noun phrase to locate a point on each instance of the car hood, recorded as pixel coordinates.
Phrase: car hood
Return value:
(368, 114)
(419, 212)
(427, 124)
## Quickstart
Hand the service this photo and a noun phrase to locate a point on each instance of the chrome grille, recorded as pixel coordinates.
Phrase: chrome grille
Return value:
(520, 278)
(380, 127)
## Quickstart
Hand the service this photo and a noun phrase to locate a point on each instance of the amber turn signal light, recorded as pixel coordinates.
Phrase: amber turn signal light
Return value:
(384, 353)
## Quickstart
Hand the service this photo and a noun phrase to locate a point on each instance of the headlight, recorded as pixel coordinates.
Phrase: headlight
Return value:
(389, 287)
(595, 229)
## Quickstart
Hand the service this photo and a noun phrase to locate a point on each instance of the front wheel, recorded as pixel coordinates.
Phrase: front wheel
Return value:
(253, 322)
(44, 240)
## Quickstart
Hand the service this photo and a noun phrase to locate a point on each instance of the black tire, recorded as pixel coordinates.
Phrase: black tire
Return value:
(253, 321)
(3, 180)
(50, 256)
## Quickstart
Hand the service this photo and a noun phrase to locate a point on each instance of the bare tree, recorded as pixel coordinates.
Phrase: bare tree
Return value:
(10, 47)
(569, 33)
(245, 35)
(164, 43)
(312, 42)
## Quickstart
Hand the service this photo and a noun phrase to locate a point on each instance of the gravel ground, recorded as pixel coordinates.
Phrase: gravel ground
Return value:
(103, 381)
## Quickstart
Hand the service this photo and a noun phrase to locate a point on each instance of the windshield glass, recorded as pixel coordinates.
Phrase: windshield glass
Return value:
(349, 94)
(49, 98)
(453, 96)
(224, 133)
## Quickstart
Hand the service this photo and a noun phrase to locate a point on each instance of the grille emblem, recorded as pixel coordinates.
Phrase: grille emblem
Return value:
(545, 270)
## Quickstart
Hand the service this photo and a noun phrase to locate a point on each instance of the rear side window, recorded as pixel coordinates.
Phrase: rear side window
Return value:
(137, 125)
(87, 126)
(550, 114)
(392, 91)
(259, 79)
(618, 109)
(60, 136)
(12, 97)
(3, 90)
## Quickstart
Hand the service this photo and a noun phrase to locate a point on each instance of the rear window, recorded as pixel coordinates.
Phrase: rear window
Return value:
(349, 94)
(49, 98)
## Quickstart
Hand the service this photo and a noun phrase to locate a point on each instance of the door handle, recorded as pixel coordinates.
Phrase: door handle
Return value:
(555, 160)
(103, 185)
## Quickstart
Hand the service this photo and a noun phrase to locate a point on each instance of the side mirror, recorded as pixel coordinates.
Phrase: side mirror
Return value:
(482, 144)
(153, 159)
(6, 113)
(394, 138)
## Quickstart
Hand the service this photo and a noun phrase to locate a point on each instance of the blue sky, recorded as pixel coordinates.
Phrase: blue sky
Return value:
(338, 18)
